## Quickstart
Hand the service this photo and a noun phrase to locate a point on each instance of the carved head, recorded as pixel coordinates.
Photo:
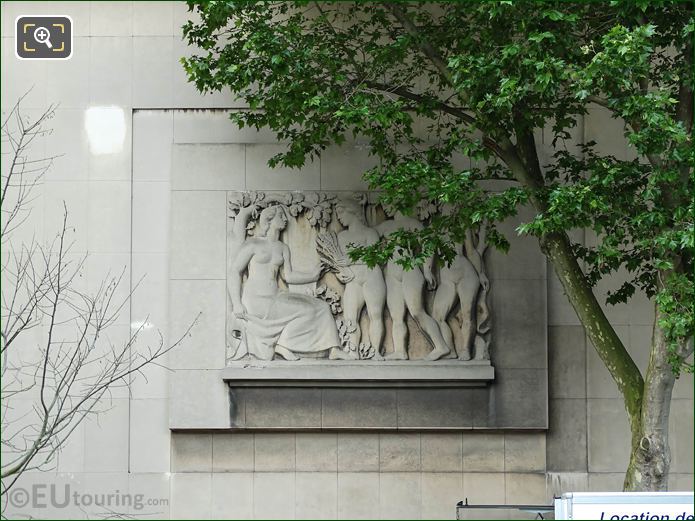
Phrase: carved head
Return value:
(348, 212)
(271, 217)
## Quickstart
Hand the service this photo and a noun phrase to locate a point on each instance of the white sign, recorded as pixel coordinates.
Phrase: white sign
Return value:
(625, 505)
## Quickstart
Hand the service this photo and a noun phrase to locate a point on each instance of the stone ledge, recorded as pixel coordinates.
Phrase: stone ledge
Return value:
(322, 373)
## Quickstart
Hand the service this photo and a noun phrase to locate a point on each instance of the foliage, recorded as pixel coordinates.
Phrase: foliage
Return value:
(427, 84)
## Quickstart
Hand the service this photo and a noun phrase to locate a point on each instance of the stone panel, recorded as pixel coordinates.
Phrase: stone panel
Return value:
(317, 452)
(358, 495)
(483, 452)
(525, 489)
(274, 494)
(440, 493)
(567, 362)
(232, 452)
(512, 406)
(191, 496)
(524, 452)
(359, 408)
(316, 495)
(191, 452)
(441, 452)
(358, 452)
(566, 443)
(400, 495)
(274, 452)
(232, 495)
(607, 434)
(281, 407)
(399, 452)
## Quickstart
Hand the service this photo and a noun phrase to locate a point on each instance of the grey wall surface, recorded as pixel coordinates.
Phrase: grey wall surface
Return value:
(122, 206)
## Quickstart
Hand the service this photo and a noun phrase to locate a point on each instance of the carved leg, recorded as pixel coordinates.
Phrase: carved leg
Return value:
(353, 302)
(375, 297)
(413, 283)
(444, 300)
(396, 304)
(468, 291)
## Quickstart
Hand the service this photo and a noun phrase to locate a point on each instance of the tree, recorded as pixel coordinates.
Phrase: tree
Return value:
(482, 78)
(59, 365)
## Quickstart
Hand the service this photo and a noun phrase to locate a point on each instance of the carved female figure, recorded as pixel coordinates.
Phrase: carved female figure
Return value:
(275, 320)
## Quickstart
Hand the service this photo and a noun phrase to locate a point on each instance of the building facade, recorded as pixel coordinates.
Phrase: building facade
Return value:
(154, 175)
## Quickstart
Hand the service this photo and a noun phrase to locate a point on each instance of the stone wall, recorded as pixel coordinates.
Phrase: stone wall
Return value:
(126, 56)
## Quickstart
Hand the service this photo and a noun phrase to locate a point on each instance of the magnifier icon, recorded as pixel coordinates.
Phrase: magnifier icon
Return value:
(43, 35)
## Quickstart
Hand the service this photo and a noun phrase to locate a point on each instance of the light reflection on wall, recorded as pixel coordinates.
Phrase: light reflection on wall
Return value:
(105, 127)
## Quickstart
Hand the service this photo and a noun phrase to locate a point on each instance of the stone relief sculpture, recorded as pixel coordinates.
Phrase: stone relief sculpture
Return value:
(294, 293)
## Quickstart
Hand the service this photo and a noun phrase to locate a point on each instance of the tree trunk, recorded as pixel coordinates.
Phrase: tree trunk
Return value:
(650, 457)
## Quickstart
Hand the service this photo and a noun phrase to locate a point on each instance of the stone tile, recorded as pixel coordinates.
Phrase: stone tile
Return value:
(109, 217)
(274, 452)
(359, 408)
(358, 495)
(358, 451)
(316, 495)
(111, 19)
(106, 438)
(152, 72)
(342, 167)
(151, 229)
(232, 452)
(399, 452)
(154, 488)
(524, 452)
(440, 493)
(273, 494)
(524, 261)
(681, 436)
(110, 66)
(560, 311)
(153, 18)
(199, 399)
(427, 408)
(150, 436)
(282, 408)
(191, 496)
(608, 435)
(599, 383)
(566, 445)
(400, 495)
(153, 136)
(520, 338)
(481, 488)
(232, 495)
(259, 176)
(110, 135)
(684, 386)
(317, 452)
(73, 195)
(191, 452)
(520, 398)
(557, 483)
(198, 235)
(483, 452)
(680, 482)
(526, 489)
(567, 362)
(68, 140)
(606, 481)
(197, 302)
(441, 452)
(208, 167)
